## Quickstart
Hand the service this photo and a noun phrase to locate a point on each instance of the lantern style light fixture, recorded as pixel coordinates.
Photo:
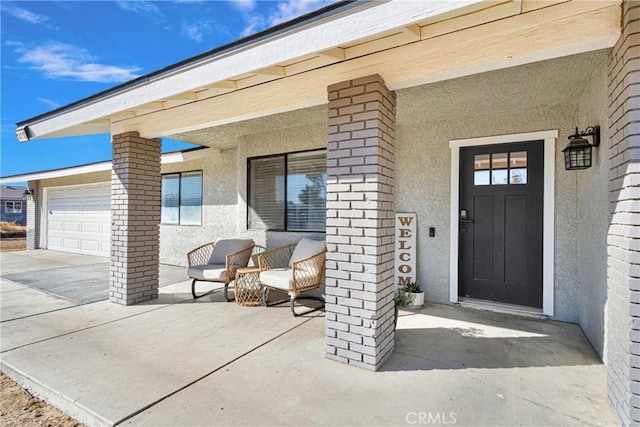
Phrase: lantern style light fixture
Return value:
(578, 154)
(28, 194)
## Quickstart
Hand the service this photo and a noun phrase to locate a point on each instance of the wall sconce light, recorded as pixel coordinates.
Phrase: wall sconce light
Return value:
(28, 194)
(577, 155)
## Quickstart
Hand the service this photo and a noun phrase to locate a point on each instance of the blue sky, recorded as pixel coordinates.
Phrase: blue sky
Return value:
(57, 52)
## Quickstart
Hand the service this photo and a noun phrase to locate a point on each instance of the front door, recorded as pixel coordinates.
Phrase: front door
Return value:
(500, 220)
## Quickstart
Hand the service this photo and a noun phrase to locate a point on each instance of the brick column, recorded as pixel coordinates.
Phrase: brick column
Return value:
(360, 212)
(33, 216)
(135, 219)
(622, 348)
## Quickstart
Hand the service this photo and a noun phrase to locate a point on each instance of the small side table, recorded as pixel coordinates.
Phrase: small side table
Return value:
(247, 287)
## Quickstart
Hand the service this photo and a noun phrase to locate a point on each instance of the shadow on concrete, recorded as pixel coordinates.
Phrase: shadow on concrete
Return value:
(445, 337)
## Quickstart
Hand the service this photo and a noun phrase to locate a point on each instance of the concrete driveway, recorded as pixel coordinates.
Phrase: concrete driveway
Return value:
(77, 278)
(176, 361)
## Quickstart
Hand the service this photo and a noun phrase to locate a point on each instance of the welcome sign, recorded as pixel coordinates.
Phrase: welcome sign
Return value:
(406, 232)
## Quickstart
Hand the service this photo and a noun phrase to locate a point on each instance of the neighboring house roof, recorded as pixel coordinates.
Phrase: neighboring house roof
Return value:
(289, 66)
(166, 158)
(8, 192)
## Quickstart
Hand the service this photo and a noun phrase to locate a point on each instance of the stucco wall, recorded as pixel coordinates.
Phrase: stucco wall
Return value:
(523, 99)
(220, 217)
(593, 215)
(89, 178)
(224, 211)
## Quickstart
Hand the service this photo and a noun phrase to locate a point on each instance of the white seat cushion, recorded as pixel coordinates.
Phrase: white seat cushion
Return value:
(224, 247)
(209, 272)
(306, 248)
(281, 278)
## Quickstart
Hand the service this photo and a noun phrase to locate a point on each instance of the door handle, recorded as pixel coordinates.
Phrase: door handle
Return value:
(464, 217)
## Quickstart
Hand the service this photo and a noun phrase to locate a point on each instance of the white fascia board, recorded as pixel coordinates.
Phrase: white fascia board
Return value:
(57, 173)
(177, 157)
(329, 33)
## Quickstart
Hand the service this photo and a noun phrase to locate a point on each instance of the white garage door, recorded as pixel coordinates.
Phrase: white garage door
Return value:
(79, 219)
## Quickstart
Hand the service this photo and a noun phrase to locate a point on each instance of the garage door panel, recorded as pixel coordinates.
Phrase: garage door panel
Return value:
(71, 226)
(91, 227)
(71, 244)
(79, 219)
(90, 246)
(55, 241)
(55, 226)
(96, 192)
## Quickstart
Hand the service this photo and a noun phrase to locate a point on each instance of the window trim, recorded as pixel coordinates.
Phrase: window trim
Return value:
(13, 207)
(179, 224)
(286, 190)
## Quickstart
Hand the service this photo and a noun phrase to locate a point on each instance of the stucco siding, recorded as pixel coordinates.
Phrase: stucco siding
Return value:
(593, 215)
(220, 216)
(506, 102)
(88, 178)
(224, 211)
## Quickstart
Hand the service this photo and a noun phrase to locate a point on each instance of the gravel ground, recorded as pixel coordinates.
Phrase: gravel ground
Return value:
(13, 244)
(19, 408)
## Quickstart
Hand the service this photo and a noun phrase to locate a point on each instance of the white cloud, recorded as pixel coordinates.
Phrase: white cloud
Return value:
(284, 11)
(63, 61)
(139, 6)
(48, 102)
(290, 9)
(255, 22)
(244, 5)
(196, 31)
(24, 15)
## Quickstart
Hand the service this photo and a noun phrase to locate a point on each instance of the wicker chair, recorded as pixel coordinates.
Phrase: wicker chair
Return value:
(217, 262)
(293, 269)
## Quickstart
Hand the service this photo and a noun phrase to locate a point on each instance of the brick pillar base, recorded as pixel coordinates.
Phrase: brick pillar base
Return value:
(135, 219)
(33, 216)
(622, 348)
(360, 222)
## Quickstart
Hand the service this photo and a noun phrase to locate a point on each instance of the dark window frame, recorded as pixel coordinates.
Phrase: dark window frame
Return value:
(179, 174)
(286, 190)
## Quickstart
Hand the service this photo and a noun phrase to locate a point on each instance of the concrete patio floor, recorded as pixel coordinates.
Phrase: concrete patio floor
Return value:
(175, 361)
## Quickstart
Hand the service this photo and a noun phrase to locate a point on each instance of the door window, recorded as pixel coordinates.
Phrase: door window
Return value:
(500, 168)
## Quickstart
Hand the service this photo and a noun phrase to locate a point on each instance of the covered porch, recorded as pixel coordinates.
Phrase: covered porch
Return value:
(175, 361)
(386, 98)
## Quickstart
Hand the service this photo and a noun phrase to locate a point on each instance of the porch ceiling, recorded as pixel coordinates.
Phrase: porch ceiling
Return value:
(226, 136)
(545, 83)
(406, 43)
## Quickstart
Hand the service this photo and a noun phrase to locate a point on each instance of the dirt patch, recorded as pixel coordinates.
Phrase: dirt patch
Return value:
(17, 244)
(18, 408)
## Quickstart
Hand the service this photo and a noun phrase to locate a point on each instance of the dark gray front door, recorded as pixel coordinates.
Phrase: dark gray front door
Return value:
(500, 220)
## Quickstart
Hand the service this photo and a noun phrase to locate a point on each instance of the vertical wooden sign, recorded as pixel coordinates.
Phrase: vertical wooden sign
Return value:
(406, 232)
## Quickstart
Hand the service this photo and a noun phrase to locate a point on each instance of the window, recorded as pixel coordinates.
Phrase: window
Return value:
(182, 198)
(500, 168)
(288, 192)
(13, 207)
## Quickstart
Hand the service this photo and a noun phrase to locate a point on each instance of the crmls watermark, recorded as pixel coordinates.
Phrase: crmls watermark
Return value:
(431, 418)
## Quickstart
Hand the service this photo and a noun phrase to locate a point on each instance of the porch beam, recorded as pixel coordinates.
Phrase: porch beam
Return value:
(562, 30)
